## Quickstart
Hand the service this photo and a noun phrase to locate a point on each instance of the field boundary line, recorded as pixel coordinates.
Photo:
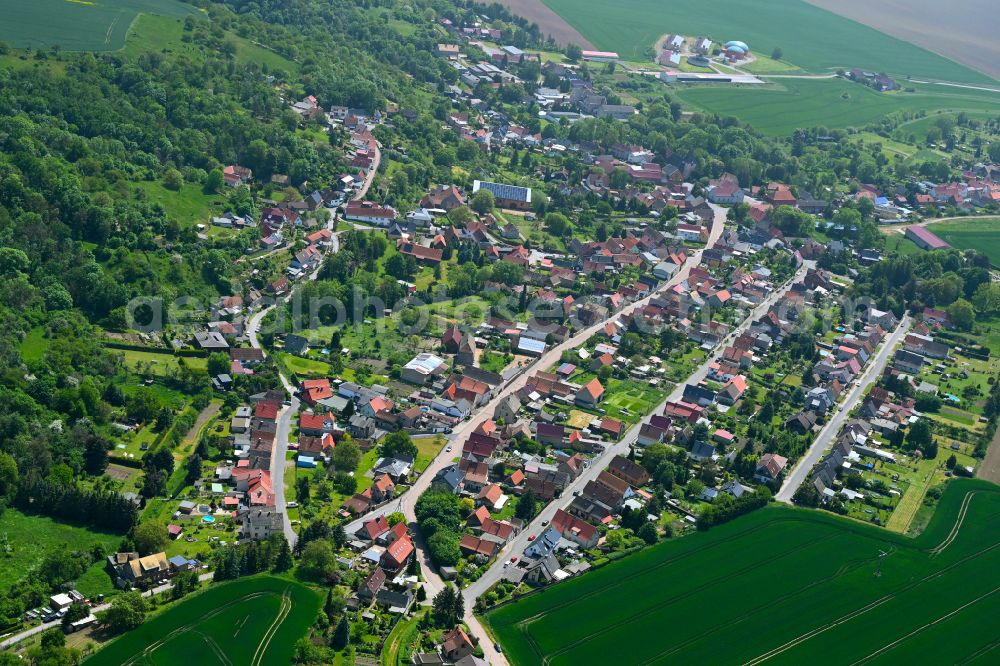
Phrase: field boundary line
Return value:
(943, 618)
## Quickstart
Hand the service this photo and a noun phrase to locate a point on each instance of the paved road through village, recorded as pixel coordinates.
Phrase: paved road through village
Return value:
(832, 428)
(517, 545)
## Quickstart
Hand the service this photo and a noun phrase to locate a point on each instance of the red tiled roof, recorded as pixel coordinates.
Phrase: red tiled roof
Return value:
(267, 409)
(399, 551)
(376, 527)
(593, 388)
(310, 421)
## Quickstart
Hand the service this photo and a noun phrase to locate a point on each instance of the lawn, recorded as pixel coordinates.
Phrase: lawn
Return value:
(427, 450)
(78, 25)
(28, 538)
(250, 621)
(780, 583)
(811, 38)
(981, 234)
(636, 397)
(492, 361)
(900, 244)
(780, 108)
(765, 65)
(305, 366)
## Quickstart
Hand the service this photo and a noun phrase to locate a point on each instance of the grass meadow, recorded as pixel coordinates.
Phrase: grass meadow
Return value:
(982, 235)
(253, 621)
(27, 538)
(812, 38)
(78, 25)
(781, 585)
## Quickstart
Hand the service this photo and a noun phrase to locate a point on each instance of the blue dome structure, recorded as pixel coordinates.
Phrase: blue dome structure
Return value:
(738, 45)
(736, 49)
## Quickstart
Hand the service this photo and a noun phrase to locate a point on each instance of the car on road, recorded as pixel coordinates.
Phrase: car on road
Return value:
(448, 448)
(506, 564)
(576, 493)
(531, 538)
(513, 559)
(544, 523)
(496, 646)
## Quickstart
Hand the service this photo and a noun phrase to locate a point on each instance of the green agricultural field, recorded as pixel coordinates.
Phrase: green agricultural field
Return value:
(982, 235)
(811, 38)
(251, 621)
(78, 25)
(837, 103)
(25, 539)
(780, 585)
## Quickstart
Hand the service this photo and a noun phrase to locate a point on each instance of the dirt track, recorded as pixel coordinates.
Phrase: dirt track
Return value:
(990, 468)
(961, 30)
(549, 22)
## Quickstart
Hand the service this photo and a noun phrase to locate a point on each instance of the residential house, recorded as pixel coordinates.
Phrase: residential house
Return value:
(485, 549)
(371, 530)
(574, 529)
(457, 645)
(130, 569)
(397, 554)
(769, 467)
(259, 522)
(372, 585)
(316, 425)
(590, 395)
(623, 468)
(443, 197)
(371, 213)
